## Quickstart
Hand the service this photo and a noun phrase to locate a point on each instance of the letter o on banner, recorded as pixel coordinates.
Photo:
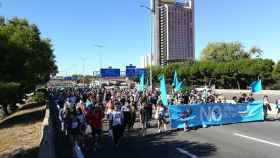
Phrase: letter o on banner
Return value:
(216, 114)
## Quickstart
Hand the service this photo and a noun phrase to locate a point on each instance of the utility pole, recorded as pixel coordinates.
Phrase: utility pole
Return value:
(99, 46)
(84, 64)
(152, 14)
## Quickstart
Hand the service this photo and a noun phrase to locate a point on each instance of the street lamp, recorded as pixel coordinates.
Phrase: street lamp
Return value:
(152, 13)
(83, 59)
(99, 46)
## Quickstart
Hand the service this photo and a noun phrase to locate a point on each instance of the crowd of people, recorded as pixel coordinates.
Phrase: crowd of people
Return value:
(83, 111)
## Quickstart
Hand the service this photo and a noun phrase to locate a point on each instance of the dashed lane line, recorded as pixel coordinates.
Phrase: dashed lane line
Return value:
(186, 153)
(257, 139)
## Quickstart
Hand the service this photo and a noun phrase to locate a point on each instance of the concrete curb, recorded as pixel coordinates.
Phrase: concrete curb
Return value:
(45, 122)
(47, 143)
(237, 91)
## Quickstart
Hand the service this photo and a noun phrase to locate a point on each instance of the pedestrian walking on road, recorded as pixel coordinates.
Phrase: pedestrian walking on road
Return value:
(132, 112)
(266, 106)
(64, 117)
(277, 102)
(116, 124)
(126, 113)
(160, 115)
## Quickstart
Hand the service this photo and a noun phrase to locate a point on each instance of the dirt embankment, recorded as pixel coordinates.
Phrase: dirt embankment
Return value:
(20, 133)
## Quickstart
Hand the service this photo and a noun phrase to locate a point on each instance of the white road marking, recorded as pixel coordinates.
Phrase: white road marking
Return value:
(257, 140)
(186, 153)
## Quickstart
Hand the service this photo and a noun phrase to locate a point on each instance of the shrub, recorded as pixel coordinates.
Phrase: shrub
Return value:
(39, 97)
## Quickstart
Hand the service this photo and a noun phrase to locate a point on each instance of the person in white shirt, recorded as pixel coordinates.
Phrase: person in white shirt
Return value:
(116, 124)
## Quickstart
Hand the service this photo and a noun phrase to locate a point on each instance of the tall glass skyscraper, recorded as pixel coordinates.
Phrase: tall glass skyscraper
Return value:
(173, 31)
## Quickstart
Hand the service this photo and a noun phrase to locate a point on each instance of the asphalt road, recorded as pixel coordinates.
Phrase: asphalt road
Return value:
(246, 140)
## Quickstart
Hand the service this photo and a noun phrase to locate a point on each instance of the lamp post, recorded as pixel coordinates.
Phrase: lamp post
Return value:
(99, 46)
(152, 13)
(83, 59)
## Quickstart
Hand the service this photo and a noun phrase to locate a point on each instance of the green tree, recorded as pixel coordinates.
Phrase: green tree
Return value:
(9, 94)
(276, 71)
(26, 58)
(222, 52)
(276, 76)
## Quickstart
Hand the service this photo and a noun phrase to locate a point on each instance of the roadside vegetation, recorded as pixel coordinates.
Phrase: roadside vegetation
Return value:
(27, 60)
(225, 65)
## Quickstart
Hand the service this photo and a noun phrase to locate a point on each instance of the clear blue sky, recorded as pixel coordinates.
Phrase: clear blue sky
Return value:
(123, 27)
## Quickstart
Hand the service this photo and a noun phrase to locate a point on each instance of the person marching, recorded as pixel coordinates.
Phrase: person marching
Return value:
(266, 106)
(277, 102)
(132, 112)
(127, 115)
(160, 115)
(116, 120)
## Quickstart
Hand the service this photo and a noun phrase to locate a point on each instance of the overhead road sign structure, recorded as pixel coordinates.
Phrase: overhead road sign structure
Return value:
(130, 67)
(68, 78)
(130, 72)
(110, 72)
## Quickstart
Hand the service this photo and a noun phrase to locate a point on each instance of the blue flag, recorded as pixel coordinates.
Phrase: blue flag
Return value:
(178, 86)
(176, 83)
(175, 80)
(142, 83)
(256, 86)
(88, 104)
(163, 92)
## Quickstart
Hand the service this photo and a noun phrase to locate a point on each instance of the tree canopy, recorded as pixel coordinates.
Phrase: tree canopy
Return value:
(26, 58)
(230, 75)
(224, 52)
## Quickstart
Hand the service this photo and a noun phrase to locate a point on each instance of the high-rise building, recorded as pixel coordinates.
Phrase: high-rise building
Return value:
(145, 61)
(173, 31)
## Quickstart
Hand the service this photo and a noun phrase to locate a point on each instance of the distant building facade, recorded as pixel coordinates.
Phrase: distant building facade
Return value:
(173, 31)
(145, 61)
